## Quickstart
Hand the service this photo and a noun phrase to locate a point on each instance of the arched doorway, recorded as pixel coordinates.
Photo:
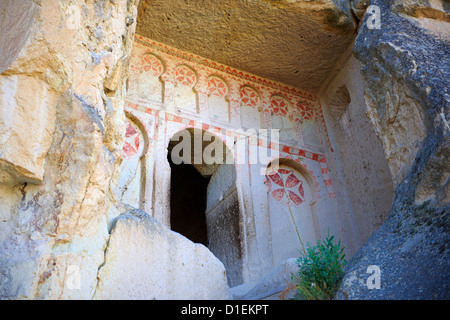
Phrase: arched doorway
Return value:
(203, 198)
(188, 202)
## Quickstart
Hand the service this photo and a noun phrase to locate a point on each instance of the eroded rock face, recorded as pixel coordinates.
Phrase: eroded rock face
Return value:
(407, 89)
(145, 260)
(61, 137)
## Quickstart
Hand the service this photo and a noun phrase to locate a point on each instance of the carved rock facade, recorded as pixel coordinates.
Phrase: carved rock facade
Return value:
(140, 168)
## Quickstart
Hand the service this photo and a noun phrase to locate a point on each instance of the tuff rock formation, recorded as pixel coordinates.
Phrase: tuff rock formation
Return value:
(92, 92)
(405, 69)
(189, 272)
(62, 90)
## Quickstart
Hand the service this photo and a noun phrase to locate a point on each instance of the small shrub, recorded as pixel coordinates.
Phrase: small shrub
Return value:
(321, 270)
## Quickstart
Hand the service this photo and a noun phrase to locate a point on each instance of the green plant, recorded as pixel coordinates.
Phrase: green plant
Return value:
(321, 269)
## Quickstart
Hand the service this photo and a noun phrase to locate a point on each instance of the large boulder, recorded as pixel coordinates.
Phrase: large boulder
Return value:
(145, 260)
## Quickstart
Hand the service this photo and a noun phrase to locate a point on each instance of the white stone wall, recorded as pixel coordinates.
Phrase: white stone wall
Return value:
(362, 177)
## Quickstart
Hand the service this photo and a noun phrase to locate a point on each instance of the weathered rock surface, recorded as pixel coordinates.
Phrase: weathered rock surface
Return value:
(406, 72)
(145, 260)
(271, 285)
(61, 138)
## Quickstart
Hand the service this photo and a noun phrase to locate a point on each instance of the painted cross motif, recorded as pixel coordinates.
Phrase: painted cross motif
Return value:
(217, 87)
(133, 141)
(153, 65)
(185, 76)
(286, 184)
(306, 110)
(249, 97)
(279, 106)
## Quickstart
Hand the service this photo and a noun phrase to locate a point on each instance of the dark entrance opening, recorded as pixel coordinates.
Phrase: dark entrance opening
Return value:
(188, 202)
(204, 201)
